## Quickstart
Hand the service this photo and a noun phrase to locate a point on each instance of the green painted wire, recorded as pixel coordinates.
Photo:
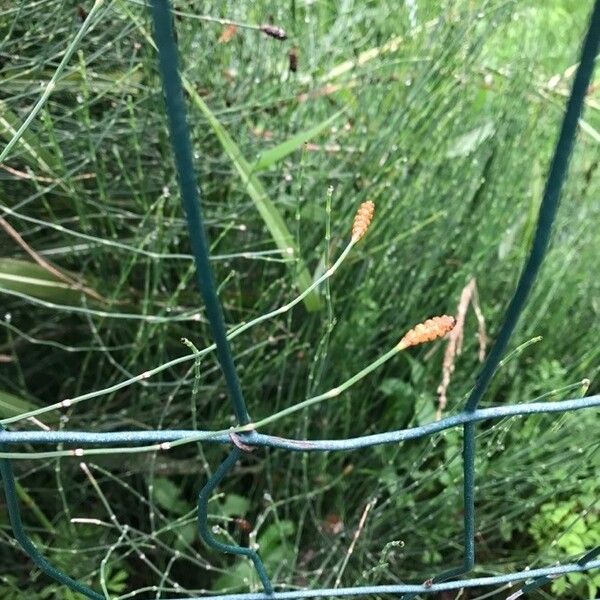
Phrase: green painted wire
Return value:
(469, 494)
(182, 150)
(162, 439)
(548, 207)
(589, 556)
(190, 196)
(395, 589)
(469, 512)
(183, 156)
(14, 516)
(206, 535)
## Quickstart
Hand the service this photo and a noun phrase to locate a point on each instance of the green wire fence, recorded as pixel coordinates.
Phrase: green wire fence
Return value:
(245, 438)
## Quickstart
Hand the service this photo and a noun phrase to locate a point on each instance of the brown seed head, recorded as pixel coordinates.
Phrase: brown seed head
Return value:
(362, 220)
(428, 331)
(293, 59)
(273, 31)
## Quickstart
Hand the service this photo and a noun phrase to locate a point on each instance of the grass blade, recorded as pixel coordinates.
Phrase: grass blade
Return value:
(271, 216)
(274, 155)
(11, 405)
(9, 126)
(267, 210)
(51, 85)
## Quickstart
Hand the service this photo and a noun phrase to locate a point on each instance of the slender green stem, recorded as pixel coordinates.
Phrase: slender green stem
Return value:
(332, 393)
(233, 333)
(298, 299)
(206, 18)
(53, 81)
(30, 503)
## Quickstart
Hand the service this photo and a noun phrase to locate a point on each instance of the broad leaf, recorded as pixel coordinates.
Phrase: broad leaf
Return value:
(30, 278)
(11, 405)
(464, 144)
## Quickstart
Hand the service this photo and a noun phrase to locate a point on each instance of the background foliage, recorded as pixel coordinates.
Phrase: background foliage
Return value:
(449, 132)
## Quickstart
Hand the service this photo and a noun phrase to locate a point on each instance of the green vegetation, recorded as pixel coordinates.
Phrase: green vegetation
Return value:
(446, 119)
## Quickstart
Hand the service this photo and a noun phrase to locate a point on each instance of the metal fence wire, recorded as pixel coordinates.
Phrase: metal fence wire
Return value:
(245, 437)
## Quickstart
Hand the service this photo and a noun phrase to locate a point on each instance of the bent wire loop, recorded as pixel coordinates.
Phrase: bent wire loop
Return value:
(182, 151)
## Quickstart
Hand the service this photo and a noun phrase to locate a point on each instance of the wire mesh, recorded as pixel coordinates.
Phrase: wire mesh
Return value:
(245, 437)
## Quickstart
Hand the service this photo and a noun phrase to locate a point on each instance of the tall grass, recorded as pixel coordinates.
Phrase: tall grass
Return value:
(448, 129)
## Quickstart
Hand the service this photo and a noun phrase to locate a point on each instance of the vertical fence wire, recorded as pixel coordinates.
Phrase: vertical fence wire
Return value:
(204, 530)
(548, 207)
(16, 523)
(190, 196)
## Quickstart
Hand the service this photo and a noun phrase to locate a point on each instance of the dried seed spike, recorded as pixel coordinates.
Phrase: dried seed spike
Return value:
(362, 220)
(273, 31)
(428, 331)
(293, 59)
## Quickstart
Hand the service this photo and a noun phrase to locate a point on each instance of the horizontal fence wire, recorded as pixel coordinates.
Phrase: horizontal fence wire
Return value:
(79, 439)
(368, 590)
(243, 438)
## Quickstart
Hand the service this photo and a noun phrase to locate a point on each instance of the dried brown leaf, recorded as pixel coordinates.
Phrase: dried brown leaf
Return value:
(228, 34)
(455, 341)
(333, 524)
